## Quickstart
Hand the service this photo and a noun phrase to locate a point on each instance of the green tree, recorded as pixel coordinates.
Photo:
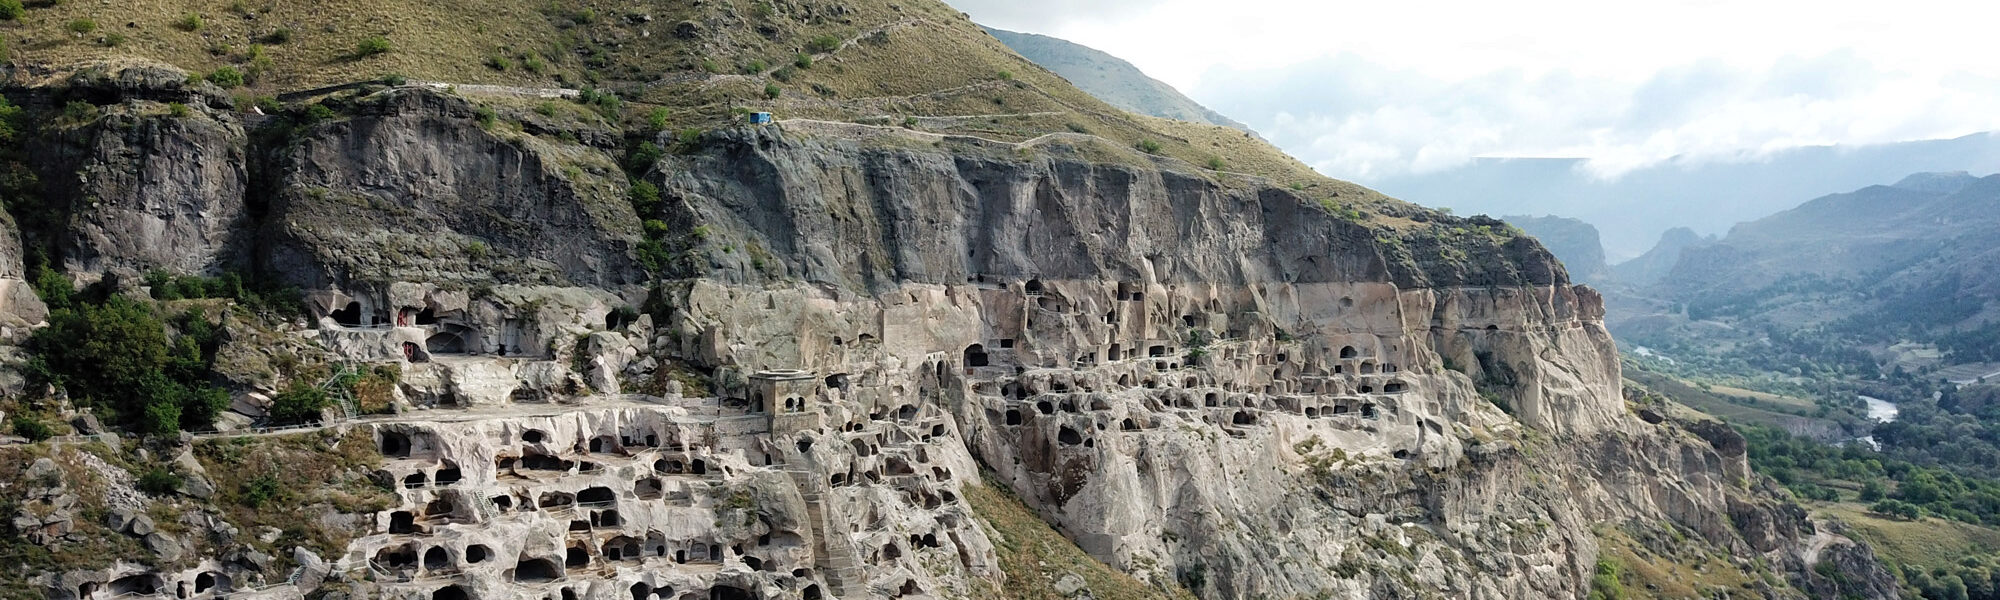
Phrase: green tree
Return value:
(302, 403)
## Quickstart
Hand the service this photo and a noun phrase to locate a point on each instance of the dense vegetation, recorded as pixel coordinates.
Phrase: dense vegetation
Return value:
(1890, 485)
(118, 354)
(148, 368)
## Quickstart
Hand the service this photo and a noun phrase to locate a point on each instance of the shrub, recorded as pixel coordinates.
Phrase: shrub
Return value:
(1006, 75)
(32, 428)
(658, 118)
(785, 73)
(486, 117)
(710, 66)
(301, 403)
(1605, 582)
(645, 197)
(319, 113)
(642, 157)
(772, 91)
(372, 45)
(11, 9)
(189, 22)
(910, 122)
(803, 61)
(1149, 146)
(82, 26)
(498, 63)
(177, 110)
(1215, 163)
(114, 40)
(822, 44)
(533, 63)
(159, 481)
(226, 76)
(279, 36)
(754, 67)
(258, 491)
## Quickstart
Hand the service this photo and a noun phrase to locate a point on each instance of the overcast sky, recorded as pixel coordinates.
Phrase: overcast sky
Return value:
(1368, 90)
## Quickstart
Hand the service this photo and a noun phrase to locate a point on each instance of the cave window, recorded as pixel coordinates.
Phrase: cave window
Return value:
(533, 436)
(349, 315)
(1368, 411)
(395, 445)
(836, 381)
(1210, 400)
(597, 495)
(1367, 367)
(536, 570)
(1156, 351)
(576, 557)
(698, 467)
(1128, 425)
(1366, 389)
(1006, 342)
(1393, 387)
(1312, 412)
(427, 317)
(1034, 286)
(1013, 416)
(477, 553)
(1348, 352)
(445, 343)
(1069, 437)
(1045, 407)
(436, 559)
(415, 480)
(1138, 296)
(1187, 320)
(975, 356)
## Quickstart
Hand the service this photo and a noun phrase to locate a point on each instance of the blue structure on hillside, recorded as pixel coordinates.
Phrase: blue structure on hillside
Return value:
(760, 118)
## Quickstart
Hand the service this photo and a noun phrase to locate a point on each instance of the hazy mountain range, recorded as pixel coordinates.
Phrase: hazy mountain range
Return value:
(1111, 79)
(1634, 210)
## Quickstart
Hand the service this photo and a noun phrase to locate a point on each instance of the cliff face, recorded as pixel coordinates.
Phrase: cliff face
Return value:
(1205, 384)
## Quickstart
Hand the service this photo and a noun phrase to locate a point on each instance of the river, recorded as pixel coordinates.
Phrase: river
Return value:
(1880, 411)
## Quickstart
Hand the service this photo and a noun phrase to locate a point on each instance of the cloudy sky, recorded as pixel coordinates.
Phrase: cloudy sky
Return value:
(1371, 90)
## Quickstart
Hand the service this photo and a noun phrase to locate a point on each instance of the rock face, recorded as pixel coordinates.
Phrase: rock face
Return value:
(1207, 385)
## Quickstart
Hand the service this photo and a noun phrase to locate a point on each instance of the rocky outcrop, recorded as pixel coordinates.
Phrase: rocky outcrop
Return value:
(1206, 384)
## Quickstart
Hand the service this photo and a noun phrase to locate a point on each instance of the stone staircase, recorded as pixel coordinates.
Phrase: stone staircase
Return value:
(838, 560)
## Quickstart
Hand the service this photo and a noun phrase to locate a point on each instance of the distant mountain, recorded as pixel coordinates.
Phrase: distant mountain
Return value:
(1917, 261)
(1656, 263)
(1708, 197)
(1111, 79)
(1574, 242)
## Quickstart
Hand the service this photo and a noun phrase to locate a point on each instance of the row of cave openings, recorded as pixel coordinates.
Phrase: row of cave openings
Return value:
(642, 591)
(438, 560)
(152, 584)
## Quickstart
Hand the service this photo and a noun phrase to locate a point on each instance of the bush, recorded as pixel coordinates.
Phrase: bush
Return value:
(1006, 75)
(159, 481)
(32, 428)
(822, 44)
(1149, 146)
(117, 355)
(498, 63)
(658, 118)
(258, 491)
(82, 26)
(11, 9)
(302, 403)
(772, 91)
(645, 197)
(178, 110)
(279, 36)
(754, 67)
(114, 40)
(1215, 163)
(486, 117)
(189, 22)
(803, 61)
(533, 63)
(643, 157)
(226, 76)
(372, 45)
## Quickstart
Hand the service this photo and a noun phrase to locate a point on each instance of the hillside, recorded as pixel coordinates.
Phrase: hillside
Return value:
(1573, 241)
(1709, 196)
(390, 317)
(1111, 79)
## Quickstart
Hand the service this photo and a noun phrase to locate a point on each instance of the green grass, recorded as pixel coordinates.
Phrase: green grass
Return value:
(1930, 541)
(1034, 556)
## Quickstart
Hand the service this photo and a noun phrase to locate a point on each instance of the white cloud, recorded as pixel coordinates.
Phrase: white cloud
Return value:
(1366, 90)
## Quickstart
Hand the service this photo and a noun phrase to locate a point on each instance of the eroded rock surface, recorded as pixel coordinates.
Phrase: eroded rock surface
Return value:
(1208, 385)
